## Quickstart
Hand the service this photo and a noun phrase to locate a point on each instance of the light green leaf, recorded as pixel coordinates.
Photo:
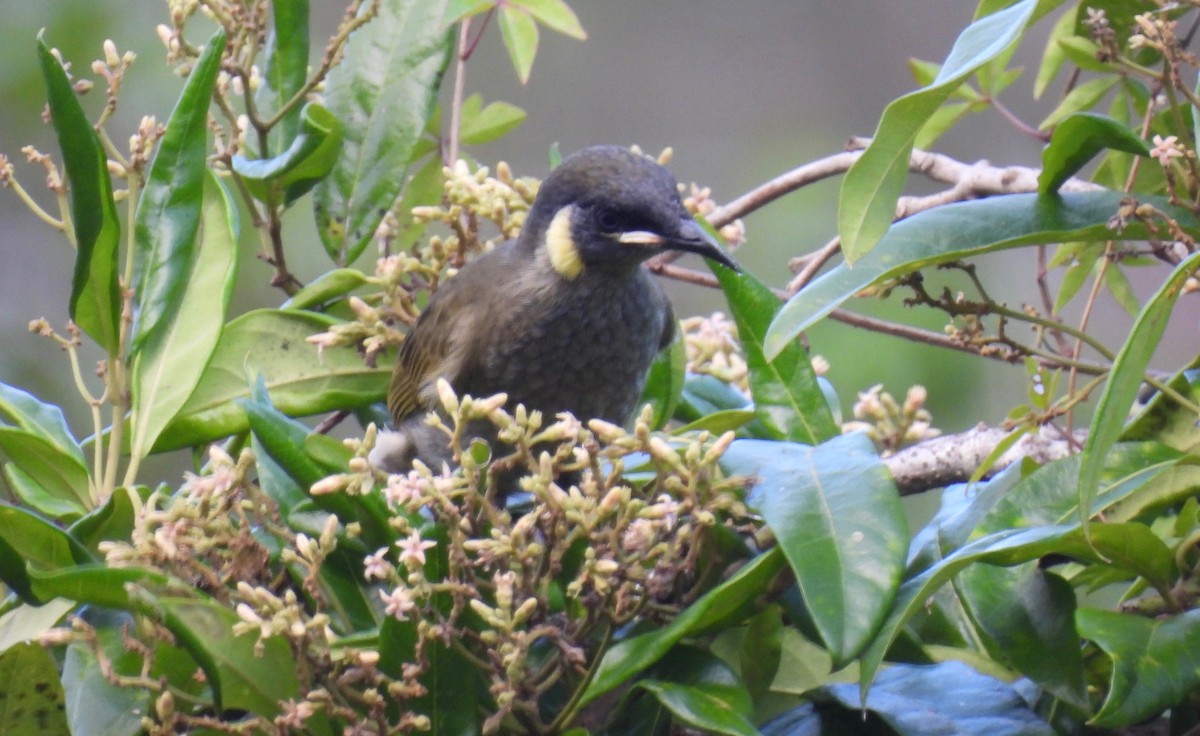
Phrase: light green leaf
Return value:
(490, 123)
(309, 159)
(1083, 97)
(33, 695)
(327, 287)
(520, 34)
(175, 357)
(554, 14)
(1053, 57)
(383, 93)
(61, 475)
(873, 184)
(29, 413)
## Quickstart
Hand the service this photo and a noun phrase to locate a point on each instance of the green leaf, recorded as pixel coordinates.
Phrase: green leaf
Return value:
(490, 123)
(1083, 53)
(457, 10)
(958, 231)
(301, 379)
(520, 34)
(31, 696)
(286, 69)
(175, 356)
(241, 679)
(724, 605)
(1125, 378)
(761, 651)
(555, 15)
(940, 121)
(95, 706)
(1053, 57)
(168, 212)
(1076, 140)
(29, 413)
(787, 398)
(27, 542)
(701, 691)
(1118, 285)
(664, 382)
(1154, 662)
(1084, 96)
(837, 516)
(311, 156)
(95, 302)
(383, 92)
(718, 422)
(111, 521)
(59, 474)
(326, 288)
(1164, 420)
(873, 184)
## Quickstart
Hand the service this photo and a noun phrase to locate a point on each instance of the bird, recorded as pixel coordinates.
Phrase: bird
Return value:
(563, 318)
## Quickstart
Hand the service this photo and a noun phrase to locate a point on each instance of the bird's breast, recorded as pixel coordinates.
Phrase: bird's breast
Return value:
(582, 347)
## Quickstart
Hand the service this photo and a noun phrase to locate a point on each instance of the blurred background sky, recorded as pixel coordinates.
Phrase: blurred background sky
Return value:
(742, 92)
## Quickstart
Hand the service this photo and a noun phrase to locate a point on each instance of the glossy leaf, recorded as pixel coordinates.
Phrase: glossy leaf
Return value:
(383, 92)
(664, 382)
(761, 651)
(95, 302)
(26, 411)
(1077, 140)
(787, 398)
(31, 696)
(95, 706)
(301, 379)
(168, 212)
(327, 287)
(311, 156)
(873, 184)
(60, 475)
(520, 33)
(175, 356)
(1162, 419)
(724, 605)
(919, 700)
(239, 677)
(958, 231)
(1154, 664)
(701, 691)
(27, 541)
(286, 69)
(111, 521)
(837, 516)
(1126, 376)
(704, 395)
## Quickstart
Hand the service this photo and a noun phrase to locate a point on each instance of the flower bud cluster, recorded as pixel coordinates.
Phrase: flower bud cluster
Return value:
(890, 424)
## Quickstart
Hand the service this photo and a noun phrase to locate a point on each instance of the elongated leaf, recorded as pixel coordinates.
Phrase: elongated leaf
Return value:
(873, 184)
(1126, 376)
(701, 691)
(383, 92)
(239, 677)
(168, 212)
(729, 602)
(301, 379)
(27, 412)
(1155, 664)
(664, 382)
(60, 474)
(1053, 57)
(95, 706)
(1083, 97)
(311, 156)
(489, 123)
(326, 288)
(30, 693)
(286, 71)
(520, 33)
(175, 356)
(959, 231)
(1077, 140)
(838, 519)
(26, 622)
(28, 541)
(95, 303)
(787, 398)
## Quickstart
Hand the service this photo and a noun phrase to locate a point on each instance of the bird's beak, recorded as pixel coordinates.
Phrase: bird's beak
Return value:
(690, 237)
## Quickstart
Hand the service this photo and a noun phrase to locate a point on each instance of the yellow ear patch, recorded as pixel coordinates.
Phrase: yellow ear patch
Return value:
(564, 254)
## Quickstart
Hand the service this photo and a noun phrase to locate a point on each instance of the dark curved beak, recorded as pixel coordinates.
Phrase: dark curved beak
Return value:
(689, 237)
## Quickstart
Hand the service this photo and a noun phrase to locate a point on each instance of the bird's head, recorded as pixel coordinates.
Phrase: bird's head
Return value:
(606, 207)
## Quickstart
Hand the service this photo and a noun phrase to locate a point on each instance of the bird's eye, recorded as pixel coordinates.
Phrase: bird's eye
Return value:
(608, 221)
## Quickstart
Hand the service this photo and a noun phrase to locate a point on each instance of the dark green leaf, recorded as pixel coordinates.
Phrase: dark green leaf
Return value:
(301, 379)
(958, 231)
(175, 356)
(704, 395)
(1154, 662)
(1162, 419)
(29, 413)
(286, 70)
(728, 603)
(761, 651)
(168, 213)
(95, 303)
(704, 707)
(27, 542)
(1076, 140)
(838, 519)
(311, 156)
(873, 184)
(664, 382)
(383, 92)
(111, 521)
(787, 399)
(1126, 376)
(31, 696)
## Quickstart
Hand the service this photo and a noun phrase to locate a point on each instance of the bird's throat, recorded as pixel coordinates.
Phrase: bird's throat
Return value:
(560, 246)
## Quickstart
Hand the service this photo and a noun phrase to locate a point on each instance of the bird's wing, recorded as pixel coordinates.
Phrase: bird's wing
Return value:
(435, 348)
(668, 333)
